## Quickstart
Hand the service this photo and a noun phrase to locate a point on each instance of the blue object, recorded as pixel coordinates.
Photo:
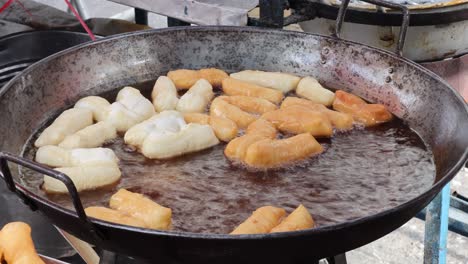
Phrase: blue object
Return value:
(436, 229)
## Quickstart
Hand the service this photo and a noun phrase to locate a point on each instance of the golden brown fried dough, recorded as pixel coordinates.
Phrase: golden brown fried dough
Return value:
(258, 130)
(339, 120)
(184, 79)
(297, 119)
(261, 221)
(272, 153)
(224, 129)
(138, 206)
(221, 108)
(114, 216)
(233, 86)
(251, 104)
(263, 128)
(198, 118)
(237, 148)
(213, 75)
(362, 112)
(17, 246)
(299, 219)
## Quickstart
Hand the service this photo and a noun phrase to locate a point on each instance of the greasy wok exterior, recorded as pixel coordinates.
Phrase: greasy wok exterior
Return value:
(416, 95)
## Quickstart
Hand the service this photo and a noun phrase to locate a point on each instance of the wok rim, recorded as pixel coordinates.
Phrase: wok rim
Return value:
(301, 233)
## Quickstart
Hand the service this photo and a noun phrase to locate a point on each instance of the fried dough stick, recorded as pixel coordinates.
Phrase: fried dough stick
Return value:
(272, 153)
(96, 104)
(84, 178)
(89, 168)
(261, 221)
(224, 129)
(250, 104)
(297, 119)
(362, 112)
(299, 219)
(184, 79)
(221, 108)
(198, 118)
(233, 86)
(190, 138)
(60, 157)
(113, 216)
(258, 130)
(138, 206)
(311, 89)
(196, 98)
(339, 120)
(129, 109)
(164, 94)
(90, 137)
(67, 123)
(17, 245)
(166, 135)
(283, 82)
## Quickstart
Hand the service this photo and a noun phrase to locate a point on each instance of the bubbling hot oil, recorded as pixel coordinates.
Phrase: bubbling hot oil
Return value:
(362, 172)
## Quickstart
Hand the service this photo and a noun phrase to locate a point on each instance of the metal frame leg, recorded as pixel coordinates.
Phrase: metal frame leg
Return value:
(141, 16)
(338, 259)
(271, 13)
(436, 229)
(174, 22)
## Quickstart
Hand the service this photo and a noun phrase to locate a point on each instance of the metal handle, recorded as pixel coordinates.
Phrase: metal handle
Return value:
(6, 175)
(404, 23)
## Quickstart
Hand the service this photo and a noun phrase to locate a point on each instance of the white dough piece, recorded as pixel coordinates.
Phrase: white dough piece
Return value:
(196, 98)
(67, 123)
(164, 94)
(60, 157)
(277, 80)
(164, 122)
(98, 105)
(90, 137)
(193, 137)
(311, 89)
(84, 178)
(129, 109)
(167, 135)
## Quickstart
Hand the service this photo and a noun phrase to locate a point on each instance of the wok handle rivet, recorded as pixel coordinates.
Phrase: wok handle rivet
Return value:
(388, 79)
(325, 51)
(323, 61)
(391, 70)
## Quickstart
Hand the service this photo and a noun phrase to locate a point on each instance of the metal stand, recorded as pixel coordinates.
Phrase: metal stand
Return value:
(445, 212)
(271, 13)
(436, 229)
(173, 22)
(141, 16)
(338, 259)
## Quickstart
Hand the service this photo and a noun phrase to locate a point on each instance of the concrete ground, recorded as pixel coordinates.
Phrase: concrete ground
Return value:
(404, 245)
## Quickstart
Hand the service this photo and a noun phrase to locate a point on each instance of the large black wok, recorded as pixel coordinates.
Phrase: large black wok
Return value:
(422, 99)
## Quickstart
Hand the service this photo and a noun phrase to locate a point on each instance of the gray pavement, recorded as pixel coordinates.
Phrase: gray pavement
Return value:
(404, 245)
